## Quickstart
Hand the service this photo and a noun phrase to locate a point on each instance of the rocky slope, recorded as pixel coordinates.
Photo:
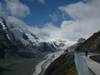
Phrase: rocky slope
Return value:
(91, 44)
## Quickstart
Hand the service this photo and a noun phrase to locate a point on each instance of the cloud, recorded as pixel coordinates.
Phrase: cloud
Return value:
(47, 33)
(85, 21)
(79, 28)
(81, 10)
(15, 22)
(54, 17)
(40, 1)
(14, 8)
(69, 30)
(17, 8)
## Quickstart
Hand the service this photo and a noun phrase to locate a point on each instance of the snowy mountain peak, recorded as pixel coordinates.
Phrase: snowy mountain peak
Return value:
(18, 30)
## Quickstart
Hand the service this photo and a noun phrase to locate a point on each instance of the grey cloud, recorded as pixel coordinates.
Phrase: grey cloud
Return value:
(86, 22)
(14, 8)
(82, 10)
(86, 19)
(17, 8)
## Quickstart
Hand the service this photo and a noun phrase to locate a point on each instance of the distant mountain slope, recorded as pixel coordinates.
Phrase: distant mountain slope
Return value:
(75, 45)
(14, 37)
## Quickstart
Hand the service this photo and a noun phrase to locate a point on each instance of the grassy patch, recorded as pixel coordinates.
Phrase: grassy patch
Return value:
(64, 65)
(72, 70)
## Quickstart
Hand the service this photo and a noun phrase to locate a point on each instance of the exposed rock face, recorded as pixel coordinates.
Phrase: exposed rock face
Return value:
(60, 44)
(4, 39)
(81, 40)
(14, 38)
(45, 46)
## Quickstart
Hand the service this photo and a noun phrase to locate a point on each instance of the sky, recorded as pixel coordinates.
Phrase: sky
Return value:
(54, 19)
(40, 11)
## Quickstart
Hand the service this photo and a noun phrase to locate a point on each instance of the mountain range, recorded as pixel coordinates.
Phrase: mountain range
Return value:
(16, 38)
